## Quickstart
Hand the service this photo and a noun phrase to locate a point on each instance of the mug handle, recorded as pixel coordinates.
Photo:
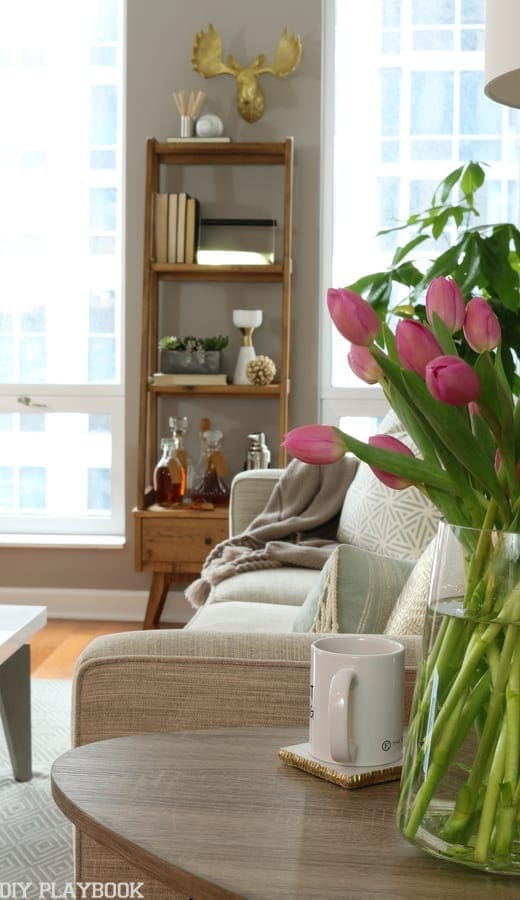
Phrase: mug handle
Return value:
(342, 749)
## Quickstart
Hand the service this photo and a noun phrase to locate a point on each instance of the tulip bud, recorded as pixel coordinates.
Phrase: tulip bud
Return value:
(318, 444)
(452, 380)
(444, 297)
(416, 345)
(354, 318)
(387, 442)
(364, 365)
(481, 326)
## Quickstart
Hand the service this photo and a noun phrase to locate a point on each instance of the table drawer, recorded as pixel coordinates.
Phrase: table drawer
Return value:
(180, 540)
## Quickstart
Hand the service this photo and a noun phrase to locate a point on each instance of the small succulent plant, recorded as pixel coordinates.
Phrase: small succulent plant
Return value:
(194, 346)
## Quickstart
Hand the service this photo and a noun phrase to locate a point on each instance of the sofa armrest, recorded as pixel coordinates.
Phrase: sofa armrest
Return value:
(250, 491)
(169, 680)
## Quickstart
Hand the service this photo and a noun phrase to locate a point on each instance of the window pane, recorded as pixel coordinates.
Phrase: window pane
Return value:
(390, 101)
(432, 102)
(72, 476)
(424, 12)
(99, 489)
(101, 359)
(32, 489)
(473, 11)
(478, 114)
(433, 40)
(103, 124)
(6, 487)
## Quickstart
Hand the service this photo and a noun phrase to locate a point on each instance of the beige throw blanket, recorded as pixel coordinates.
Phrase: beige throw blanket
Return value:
(297, 527)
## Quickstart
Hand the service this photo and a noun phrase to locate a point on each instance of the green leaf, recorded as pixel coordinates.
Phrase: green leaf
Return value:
(416, 470)
(447, 184)
(472, 179)
(401, 252)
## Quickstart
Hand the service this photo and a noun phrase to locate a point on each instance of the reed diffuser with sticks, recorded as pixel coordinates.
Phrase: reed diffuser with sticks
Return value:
(189, 106)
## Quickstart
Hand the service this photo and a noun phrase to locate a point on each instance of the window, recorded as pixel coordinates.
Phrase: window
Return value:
(61, 392)
(405, 104)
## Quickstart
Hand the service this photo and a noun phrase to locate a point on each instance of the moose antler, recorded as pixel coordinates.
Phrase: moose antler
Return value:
(206, 58)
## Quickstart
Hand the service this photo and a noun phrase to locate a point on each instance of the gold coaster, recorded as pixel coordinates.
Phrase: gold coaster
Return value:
(300, 757)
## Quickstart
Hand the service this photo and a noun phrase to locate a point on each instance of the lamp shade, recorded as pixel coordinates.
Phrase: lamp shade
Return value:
(502, 65)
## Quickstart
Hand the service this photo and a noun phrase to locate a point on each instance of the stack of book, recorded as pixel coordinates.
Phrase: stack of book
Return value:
(176, 218)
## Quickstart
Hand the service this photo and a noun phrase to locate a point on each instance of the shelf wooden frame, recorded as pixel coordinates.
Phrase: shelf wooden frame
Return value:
(160, 546)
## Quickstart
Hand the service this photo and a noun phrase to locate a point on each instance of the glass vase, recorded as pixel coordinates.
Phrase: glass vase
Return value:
(460, 784)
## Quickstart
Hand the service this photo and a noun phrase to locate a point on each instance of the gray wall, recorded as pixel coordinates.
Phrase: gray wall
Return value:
(160, 35)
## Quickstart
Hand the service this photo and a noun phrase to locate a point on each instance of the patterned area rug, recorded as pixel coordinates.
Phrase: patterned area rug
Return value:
(35, 837)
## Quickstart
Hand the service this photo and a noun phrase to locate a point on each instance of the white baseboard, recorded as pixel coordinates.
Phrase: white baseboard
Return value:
(69, 603)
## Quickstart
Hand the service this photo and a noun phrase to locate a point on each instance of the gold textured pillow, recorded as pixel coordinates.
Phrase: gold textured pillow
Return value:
(407, 616)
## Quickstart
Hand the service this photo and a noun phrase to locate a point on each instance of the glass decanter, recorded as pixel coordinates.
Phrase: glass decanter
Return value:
(179, 427)
(169, 477)
(210, 484)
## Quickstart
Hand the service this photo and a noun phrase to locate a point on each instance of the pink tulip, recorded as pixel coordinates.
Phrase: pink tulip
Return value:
(444, 297)
(452, 380)
(481, 326)
(364, 365)
(416, 345)
(318, 444)
(387, 442)
(354, 318)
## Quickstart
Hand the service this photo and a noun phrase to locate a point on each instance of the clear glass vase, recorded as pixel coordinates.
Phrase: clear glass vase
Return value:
(460, 785)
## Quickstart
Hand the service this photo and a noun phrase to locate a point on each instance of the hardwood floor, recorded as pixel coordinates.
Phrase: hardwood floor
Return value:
(56, 647)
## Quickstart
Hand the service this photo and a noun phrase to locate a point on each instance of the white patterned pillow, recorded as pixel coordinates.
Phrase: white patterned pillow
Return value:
(378, 518)
(407, 616)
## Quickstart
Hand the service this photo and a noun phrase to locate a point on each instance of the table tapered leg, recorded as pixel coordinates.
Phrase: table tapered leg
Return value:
(161, 582)
(15, 710)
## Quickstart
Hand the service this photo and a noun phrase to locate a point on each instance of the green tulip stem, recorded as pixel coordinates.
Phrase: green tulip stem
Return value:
(510, 795)
(491, 798)
(490, 731)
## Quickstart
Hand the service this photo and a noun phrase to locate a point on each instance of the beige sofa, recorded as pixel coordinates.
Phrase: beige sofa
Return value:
(227, 667)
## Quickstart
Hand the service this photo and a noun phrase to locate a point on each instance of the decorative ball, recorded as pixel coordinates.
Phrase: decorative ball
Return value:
(209, 126)
(261, 370)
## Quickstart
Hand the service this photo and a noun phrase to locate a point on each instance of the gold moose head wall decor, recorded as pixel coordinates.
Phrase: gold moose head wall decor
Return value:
(206, 57)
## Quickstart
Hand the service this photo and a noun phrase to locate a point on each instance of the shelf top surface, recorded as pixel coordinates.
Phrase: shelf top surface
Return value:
(194, 151)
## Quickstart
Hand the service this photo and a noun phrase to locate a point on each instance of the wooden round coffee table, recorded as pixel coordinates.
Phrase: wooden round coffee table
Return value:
(216, 814)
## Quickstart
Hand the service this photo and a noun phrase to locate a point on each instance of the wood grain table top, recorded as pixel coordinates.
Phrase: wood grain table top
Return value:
(215, 814)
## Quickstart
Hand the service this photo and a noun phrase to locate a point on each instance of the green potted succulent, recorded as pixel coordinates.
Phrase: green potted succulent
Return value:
(192, 354)
(484, 259)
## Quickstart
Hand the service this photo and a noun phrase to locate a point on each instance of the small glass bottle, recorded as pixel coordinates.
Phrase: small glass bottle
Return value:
(210, 484)
(169, 477)
(258, 453)
(179, 427)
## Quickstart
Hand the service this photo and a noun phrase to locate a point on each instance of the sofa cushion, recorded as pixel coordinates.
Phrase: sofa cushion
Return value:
(356, 592)
(408, 614)
(288, 585)
(244, 617)
(375, 517)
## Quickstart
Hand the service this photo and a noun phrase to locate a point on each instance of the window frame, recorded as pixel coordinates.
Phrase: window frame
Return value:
(104, 398)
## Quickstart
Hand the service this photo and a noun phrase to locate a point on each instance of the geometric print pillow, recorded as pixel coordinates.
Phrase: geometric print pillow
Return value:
(375, 517)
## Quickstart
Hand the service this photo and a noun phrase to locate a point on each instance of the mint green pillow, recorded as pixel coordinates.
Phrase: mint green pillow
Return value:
(355, 593)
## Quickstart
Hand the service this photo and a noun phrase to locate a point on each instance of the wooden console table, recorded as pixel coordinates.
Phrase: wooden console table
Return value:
(215, 814)
(172, 545)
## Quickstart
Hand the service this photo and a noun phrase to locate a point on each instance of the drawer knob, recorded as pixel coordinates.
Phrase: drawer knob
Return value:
(208, 541)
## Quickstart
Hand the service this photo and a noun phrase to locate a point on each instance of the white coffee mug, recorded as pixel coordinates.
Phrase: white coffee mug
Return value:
(356, 704)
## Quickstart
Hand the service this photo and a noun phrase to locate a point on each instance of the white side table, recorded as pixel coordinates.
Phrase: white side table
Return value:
(17, 624)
